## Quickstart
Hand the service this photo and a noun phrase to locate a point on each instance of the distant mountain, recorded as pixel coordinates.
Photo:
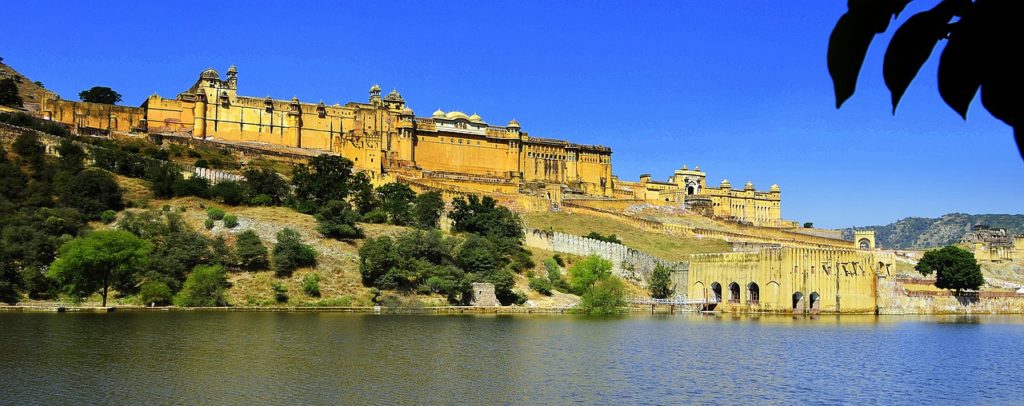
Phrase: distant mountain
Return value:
(920, 232)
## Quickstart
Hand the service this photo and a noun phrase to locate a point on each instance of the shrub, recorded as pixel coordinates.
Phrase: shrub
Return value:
(661, 282)
(336, 219)
(166, 208)
(230, 192)
(204, 287)
(208, 223)
(182, 209)
(155, 292)
(311, 284)
(200, 163)
(214, 213)
(541, 285)
(306, 207)
(558, 259)
(521, 260)
(262, 200)
(252, 254)
(291, 253)
(606, 297)
(193, 186)
(280, 292)
(375, 216)
(230, 221)
(108, 216)
(587, 272)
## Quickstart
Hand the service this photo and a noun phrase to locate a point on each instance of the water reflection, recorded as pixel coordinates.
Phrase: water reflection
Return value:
(326, 358)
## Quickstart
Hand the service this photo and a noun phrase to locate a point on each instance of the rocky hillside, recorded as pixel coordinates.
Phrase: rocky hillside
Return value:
(921, 232)
(31, 92)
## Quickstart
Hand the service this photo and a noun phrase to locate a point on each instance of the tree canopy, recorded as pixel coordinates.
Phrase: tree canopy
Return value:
(954, 267)
(9, 93)
(660, 284)
(94, 262)
(100, 94)
(982, 51)
(325, 178)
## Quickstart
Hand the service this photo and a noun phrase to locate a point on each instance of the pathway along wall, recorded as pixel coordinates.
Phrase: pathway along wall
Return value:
(630, 264)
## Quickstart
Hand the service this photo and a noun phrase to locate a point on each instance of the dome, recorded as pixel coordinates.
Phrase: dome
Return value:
(232, 70)
(725, 184)
(394, 95)
(375, 89)
(513, 124)
(209, 74)
(405, 111)
(697, 168)
(749, 186)
(685, 168)
(775, 188)
(438, 114)
(456, 114)
(476, 118)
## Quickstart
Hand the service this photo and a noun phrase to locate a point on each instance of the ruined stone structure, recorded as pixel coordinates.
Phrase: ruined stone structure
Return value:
(483, 295)
(786, 279)
(689, 187)
(994, 244)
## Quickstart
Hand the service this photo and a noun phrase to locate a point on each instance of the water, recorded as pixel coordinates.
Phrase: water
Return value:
(332, 358)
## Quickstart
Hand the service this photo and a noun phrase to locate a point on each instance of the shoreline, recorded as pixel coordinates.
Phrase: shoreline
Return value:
(443, 310)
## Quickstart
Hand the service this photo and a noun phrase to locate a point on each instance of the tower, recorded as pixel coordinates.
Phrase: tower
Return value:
(864, 239)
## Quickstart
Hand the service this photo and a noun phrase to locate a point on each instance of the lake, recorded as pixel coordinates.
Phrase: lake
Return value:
(332, 358)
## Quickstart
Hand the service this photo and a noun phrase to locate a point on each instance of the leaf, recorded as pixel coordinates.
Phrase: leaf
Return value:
(1002, 78)
(959, 74)
(851, 38)
(911, 46)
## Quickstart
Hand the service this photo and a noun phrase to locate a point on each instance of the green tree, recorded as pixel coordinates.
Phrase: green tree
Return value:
(325, 178)
(92, 192)
(291, 253)
(982, 51)
(229, 192)
(606, 297)
(155, 292)
(266, 182)
(486, 218)
(193, 186)
(661, 282)
(9, 93)
(204, 287)
(336, 219)
(427, 209)
(162, 177)
(31, 151)
(376, 257)
(955, 268)
(808, 225)
(93, 263)
(586, 273)
(100, 94)
(396, 199)
(252, 254)
(71, 156)
(363, 195)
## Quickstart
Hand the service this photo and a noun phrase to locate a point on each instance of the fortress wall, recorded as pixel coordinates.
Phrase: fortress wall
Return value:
(627, 263)
(463, 153)
(93, 115)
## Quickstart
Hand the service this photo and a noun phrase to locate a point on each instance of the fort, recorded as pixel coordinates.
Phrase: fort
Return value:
(383, 137)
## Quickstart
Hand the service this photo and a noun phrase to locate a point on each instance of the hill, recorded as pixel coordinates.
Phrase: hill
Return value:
(921, 232)
(31, 92)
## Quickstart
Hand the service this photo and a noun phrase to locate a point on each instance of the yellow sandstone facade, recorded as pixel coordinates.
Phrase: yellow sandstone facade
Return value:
(787, 279)
(689, 187)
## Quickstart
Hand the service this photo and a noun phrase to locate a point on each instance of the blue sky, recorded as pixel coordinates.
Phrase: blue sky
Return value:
(740, 90)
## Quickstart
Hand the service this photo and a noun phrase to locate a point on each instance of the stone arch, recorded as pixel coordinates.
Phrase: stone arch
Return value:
(734, 292)
(864, 244)
(815, 302)
(716, 291)
(753, 293)
(798, 302)
(772, 292)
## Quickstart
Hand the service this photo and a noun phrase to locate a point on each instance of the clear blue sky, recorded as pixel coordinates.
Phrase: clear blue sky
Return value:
(740, 90)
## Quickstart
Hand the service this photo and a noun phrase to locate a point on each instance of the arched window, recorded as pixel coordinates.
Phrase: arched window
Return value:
(753, 293)
(716, 291)
(798, 302)
(734, 292)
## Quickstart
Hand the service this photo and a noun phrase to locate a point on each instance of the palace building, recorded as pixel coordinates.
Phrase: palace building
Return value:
(383, 137)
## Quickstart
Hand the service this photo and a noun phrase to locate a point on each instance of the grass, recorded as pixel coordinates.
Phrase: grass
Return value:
(663, 246)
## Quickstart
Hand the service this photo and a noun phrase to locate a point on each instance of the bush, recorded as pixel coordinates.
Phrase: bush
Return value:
(230, 192)
(208, 223)
(200, 163)
(166, 208)
(108, 216)
(252, 254)
(586, 273)
(375, 216)
(193, 154)
(306, 207)
(204, 287)
(558, 259)
(606, 297)
(214, 213)
(230, 221)
(291, 253)
(336, 219)
(541, 285)
(155, 292)
(262, 200)
(661, 282)
(280, 292)
(612, 238)
(311, 284)
(193, 186)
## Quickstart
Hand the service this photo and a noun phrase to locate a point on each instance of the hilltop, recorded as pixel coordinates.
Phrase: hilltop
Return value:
(31, 92)
(923, 232)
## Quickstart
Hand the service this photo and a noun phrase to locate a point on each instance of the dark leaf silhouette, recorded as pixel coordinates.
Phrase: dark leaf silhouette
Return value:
(959, 76)
(851, 38)
(911, 46)
(1002, 79)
